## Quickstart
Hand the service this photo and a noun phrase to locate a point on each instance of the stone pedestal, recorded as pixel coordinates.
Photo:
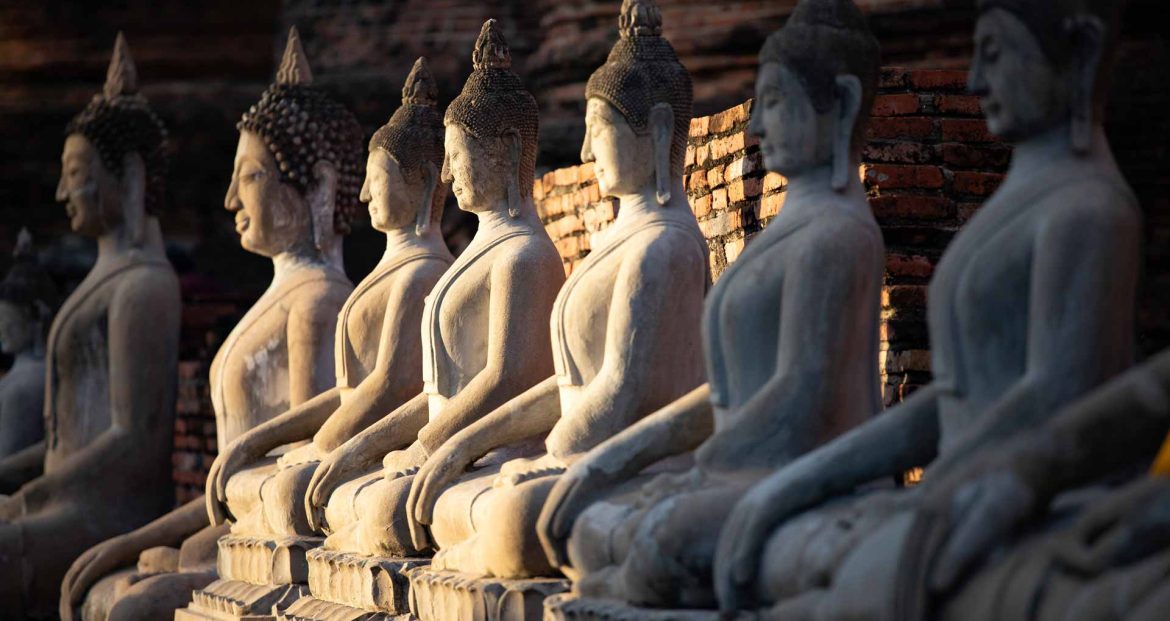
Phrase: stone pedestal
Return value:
(258, 579)
(569, 607)
(350, 587)
(443, 595)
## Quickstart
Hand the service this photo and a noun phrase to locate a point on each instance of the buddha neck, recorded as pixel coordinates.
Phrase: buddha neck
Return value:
(1031, 155)
(496, 220)
(642, 206)
(116, 243)
(405, 240)
(812, 191)
(285, 264)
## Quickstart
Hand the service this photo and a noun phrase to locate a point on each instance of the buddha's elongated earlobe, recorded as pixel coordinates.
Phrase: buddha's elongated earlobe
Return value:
(422, 220)
(844, 124)
(134, 198)
(513, 139)
(322, 201)
(1088, 35)
(661, 132)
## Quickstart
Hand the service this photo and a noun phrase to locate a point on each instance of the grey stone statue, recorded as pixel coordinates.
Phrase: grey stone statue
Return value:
(294, 190)
(111, 357)
(28, 299)
(790, 334)
(1031, 307)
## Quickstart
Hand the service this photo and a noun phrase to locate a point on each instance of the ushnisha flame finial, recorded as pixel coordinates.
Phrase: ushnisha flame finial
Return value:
(491, 48)
(640, 18)
(122, 76)
(420, 88)
(294, 66)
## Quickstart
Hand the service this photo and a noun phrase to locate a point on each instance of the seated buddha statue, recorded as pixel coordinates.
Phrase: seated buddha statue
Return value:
(617, 356)
(28, 299)
(378, 351)
(293, 192)
(110, 359)
(790, 333)
(1031, 307)
(485, 330)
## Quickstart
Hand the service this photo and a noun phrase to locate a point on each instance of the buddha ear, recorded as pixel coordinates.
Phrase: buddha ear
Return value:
(134, 197)
(844, 124)
(422, 219)
(1088, 37)
(662, 133)
(323, 201)
(511, 140)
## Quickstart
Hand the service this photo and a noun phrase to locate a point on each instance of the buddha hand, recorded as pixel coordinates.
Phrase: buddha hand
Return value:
(582, 483)
(340, 465)
(226, 465)
(94, 563)
(1122, 531)
(440, 470)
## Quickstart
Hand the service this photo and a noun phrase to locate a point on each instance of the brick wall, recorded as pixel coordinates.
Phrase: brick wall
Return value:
(928, 165)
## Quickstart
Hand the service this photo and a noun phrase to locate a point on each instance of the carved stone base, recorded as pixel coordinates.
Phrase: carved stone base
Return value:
(570, 607)
(265, 561)
(369, 583)
(234, 600)
(444, 595)
(313, 609)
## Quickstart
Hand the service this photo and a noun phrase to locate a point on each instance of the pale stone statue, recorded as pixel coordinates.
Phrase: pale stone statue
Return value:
(625, 327)
(485, 325)
(111, 357)
(28, 299)
(1031, 307)
(790, 334)
(294, 190)
(378, 354)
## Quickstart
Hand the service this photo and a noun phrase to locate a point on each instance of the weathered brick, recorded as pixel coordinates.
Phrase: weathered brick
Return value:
(699, 127)
(585, 173)
(938, 79)
(568, 247)
(900, 104)
(744, 189)
(722, 223)
(897, 177)
(701, 206)
(965, 130)
(774, 181)
(697, 182)
(715, 177)
(690, 157)
(912, 266)
(958, 104)
(892, 77)
(724, 121)
(911, 207)
(742, 167)
(733, 248)
(565, 176)
(904, 296)
(906, 127)
(702, 155)
(771, 205)
(986, 156)
(976, 183)
(728, 145)
(900, 152)
(719, 200)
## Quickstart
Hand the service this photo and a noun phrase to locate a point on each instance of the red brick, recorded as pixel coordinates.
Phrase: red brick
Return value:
(938, 79)
(701, 206)
(901, 104)
(715, 177)
(893, 177)
(744, 189)
(908, 127)
(771, 205)
(976, 183)
(904, 296)
(725, 121)
(774, 181)
(568, 247)
(702, 154)
(900, 152)
(984, 156)
(958, 104)
(719, 200)
(697, 183)
(908, 266)
(699, 127)
(893, 77)
(728, 145)
(911, 207)
(965, 130)
(585, 173)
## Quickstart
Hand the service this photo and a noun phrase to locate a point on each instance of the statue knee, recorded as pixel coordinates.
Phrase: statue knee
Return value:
(157, 597)
(283, 498)
(381, 508)
(508, 540)
(656, 570)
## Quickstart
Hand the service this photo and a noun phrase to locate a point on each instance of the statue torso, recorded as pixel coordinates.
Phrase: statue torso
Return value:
(250, 373)
(22, 404)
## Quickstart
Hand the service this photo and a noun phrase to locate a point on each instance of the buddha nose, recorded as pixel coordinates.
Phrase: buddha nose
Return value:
(364, 195)
(586, 149)
(62, 192)
(231, 202)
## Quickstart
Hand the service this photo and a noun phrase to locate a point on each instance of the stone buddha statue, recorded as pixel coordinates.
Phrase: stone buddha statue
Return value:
(294, 190)
(790, 333)
(485, 324)
(378, 348)
(625, 326)
(1031, 307)
(111, 357)
(28, 299)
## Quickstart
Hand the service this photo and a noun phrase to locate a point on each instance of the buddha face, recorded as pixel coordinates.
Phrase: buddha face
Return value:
(622, 160)
(91, 193)
(16, 329)
(1021, 92)
(390, 197)
(794, 137)
(478, 170)
(272, 217)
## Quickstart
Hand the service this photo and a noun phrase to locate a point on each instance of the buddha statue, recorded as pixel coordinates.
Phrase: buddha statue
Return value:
(615, 356)
(790, 333)
(110, 359)
(28, 299)
(485, 324)
(293, 192)
(1031, 308)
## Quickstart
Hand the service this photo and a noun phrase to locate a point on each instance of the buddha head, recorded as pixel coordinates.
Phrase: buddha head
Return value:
(816, 83)
(28, 298)
(638, 108)
(1039, 66)
(491, 131)
(114, 163)
(402, 171)
(297, 171)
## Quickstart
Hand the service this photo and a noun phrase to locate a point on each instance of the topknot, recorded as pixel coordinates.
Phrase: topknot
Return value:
(494, 102)
(491, 49)
(302, 125)
(119, 121)
(641, 71)
(420, 88)
(822, 40)
(27, 284)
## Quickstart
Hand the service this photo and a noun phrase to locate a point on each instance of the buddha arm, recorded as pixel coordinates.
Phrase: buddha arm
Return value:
(21, 467)
(522, 293)
(1080, 308)
(309, 333)
(143, 325)
(395, 378)
(532, 413)
(169, 530)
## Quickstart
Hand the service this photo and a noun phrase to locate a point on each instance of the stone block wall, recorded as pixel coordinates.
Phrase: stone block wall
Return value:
(928, 165)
